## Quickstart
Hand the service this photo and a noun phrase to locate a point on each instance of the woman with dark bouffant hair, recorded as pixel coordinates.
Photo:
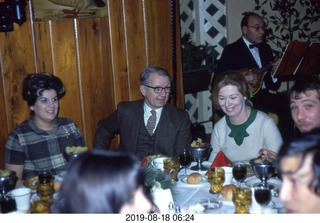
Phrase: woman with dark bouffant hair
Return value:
(243, 133)
(103, 181)
(39, 142)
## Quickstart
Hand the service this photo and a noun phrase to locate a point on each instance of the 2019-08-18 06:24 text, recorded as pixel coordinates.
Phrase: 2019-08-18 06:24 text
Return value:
(159, 217)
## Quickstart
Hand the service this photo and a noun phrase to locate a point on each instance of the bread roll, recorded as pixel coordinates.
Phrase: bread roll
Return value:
(194, 178)
(226, 191)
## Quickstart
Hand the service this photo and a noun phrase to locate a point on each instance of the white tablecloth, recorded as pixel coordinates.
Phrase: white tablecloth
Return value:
(186, 195)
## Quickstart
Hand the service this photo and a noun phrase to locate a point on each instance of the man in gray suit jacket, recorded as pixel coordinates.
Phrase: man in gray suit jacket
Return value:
(172, 131)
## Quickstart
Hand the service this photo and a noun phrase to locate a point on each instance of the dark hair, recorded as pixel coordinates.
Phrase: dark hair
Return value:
(229, 77)
(34, 85)
(305, 144)
(99, 181)
(303, 84)
(149, 70)
(246, 17)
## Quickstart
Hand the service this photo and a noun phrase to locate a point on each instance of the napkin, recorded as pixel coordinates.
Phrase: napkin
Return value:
(220, 160)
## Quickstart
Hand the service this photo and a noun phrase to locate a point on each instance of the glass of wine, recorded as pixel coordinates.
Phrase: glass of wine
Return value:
(262, 194)
(185, 160)
(239, 172)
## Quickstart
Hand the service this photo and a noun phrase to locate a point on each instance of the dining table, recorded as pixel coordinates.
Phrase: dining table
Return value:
(188, 196)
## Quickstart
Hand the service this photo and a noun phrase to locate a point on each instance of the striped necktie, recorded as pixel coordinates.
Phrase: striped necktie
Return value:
(152, 122)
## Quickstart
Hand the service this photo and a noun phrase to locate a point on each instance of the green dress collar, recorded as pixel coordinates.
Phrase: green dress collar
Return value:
(239, 132)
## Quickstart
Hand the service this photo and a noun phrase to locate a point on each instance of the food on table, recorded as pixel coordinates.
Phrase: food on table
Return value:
(197, 143)
(31, 182)
(194, 178)
(263, 160)
(226, 191)
(4, 173)
(75, 149)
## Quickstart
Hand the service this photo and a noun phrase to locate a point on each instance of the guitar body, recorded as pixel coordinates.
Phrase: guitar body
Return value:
(254, 88)
(261, 72)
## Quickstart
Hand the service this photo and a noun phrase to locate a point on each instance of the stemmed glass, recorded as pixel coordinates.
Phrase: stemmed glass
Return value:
(262, 194)
(239, 172)
(185, 160)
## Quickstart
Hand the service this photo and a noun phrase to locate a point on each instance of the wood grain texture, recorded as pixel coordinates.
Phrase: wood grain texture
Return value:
(98, 59)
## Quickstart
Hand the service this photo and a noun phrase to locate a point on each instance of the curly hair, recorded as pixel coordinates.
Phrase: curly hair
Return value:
(230, 77)
(34, 85)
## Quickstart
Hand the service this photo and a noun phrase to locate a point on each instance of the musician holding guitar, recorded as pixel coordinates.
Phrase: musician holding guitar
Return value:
(251, 55)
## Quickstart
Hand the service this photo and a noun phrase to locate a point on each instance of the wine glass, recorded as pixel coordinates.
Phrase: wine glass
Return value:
(239, 172)
(262, 194)
(185, 160)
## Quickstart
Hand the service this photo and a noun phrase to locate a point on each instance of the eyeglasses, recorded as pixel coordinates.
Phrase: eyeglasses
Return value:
(158, 90)
(257, 28)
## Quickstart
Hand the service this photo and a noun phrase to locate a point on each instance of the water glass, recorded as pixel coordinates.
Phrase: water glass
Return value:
(242, 199)
(216, 179)
(172, 166)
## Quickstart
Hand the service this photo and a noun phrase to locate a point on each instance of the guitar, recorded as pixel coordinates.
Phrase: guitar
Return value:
(261, 72)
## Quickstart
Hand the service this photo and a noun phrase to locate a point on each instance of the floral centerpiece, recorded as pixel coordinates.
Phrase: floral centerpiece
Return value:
(155, 178)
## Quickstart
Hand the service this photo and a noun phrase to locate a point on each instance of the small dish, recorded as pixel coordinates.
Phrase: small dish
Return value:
(204, 181)
(210, 204)
(273, 182)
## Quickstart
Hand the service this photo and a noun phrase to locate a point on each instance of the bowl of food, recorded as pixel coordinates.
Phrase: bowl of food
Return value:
(263, 168)
(199, 152)
(8, 180)
(74, 151)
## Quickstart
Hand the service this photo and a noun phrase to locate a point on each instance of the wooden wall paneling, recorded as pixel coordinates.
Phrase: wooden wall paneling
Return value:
(158, 33)
(65, 66)
(43, 48)
(135, 44)
(118, 51)
(17, 59)
(93, 79)
(179, 90)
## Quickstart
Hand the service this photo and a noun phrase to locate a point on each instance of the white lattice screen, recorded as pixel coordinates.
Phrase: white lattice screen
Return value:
(206, 21)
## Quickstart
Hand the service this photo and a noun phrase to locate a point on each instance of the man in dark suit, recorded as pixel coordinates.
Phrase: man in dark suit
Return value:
(254, 57)
(172, 130)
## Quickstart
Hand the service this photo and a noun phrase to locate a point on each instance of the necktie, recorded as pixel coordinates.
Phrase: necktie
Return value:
(252, 46)
(151, 124)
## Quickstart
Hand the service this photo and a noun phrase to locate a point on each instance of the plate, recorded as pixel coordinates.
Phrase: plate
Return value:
(204, 181)
(273, 182)
(268, 209)
(204, 163)
(225, 200)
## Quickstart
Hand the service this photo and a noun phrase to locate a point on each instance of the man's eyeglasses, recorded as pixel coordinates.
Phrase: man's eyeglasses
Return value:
(257, 28)
(158, 90)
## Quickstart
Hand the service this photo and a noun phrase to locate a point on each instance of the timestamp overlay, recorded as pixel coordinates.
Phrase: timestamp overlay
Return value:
(183, 217)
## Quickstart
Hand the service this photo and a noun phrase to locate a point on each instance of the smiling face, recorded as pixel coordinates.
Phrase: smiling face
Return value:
(155, 100)
(231, 101)
(305, 110)
(46, 109)
(254, 32)
(295, 192)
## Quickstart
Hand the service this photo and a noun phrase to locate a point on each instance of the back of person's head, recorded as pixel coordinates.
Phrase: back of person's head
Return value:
(152, 69)
(34, 85)
(246, 17)
(229, 77)
(99, 181)
(303, 145)
(303, 84)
